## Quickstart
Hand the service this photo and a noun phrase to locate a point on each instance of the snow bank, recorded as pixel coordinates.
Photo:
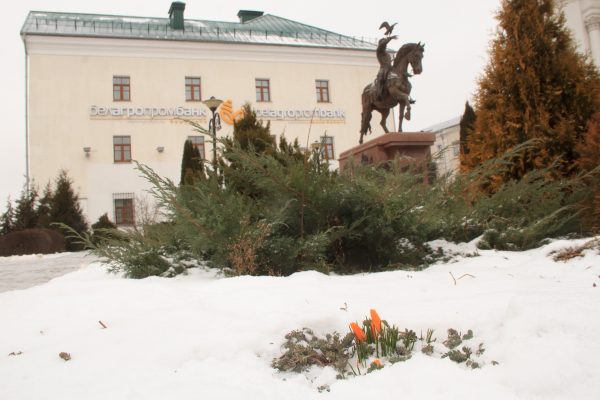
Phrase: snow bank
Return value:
(203, 336)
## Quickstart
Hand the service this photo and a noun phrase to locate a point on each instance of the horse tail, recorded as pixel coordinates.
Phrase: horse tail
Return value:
(367, 109)
(365, 125)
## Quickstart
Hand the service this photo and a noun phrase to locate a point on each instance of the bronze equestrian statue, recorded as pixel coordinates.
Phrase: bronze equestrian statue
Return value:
(391, 87)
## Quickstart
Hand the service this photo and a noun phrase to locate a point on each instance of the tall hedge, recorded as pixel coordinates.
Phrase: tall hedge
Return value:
(535, 86)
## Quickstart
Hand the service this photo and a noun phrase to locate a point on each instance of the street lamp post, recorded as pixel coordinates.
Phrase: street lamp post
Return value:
(317, 149)
(212, 105)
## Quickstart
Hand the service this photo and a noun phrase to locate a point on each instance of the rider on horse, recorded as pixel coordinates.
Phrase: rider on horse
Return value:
(385, 65)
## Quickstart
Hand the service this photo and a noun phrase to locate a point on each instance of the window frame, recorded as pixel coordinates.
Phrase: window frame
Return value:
(327, 148)
(262, 89)
(124, 214)
(322, 91)
(192, 86)
(120, 88)
(121, 147)
(200, 145)
(456, 149)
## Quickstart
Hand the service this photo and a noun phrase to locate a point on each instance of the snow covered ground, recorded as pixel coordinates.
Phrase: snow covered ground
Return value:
(205, 336)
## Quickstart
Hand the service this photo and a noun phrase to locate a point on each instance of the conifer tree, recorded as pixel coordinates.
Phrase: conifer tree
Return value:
(65, 208)
(25, 214)
(288, 149)
(250, 134)
(467, 124)
(536, 86)
(249, 131)
(43, 208)
(589, 150)
(191, 164)
(7, 220)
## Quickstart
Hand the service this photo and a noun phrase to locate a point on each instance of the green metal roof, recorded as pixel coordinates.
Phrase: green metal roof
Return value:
(266, 29)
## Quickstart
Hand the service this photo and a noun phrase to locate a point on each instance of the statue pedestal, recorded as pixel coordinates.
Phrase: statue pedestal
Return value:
(417, 146)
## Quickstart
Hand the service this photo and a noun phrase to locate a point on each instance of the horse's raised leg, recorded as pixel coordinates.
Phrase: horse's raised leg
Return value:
(384, 115)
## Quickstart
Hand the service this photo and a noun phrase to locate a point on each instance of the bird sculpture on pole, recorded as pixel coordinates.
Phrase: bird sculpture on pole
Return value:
(388, 28)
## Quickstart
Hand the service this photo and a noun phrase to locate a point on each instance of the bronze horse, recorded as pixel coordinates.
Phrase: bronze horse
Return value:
(397, 89)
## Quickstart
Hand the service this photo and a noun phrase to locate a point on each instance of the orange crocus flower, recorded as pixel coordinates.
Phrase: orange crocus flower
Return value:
(377, 362)
(358, 333)
(375, 322)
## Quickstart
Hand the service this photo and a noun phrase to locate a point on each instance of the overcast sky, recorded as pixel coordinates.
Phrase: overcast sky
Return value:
(456, 34)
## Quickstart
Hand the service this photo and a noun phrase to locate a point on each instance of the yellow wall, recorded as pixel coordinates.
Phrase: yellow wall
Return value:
(66, 79)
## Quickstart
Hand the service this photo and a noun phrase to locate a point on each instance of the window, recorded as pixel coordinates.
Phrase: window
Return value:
(263, 93)
(192, 89)
(122, 149)
(322, 91)
(121, 88)
(327, 147)
(198, 142)
(456, 148)
(124, 214)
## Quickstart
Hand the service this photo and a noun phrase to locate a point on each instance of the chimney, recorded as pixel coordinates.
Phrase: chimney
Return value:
(248, 15)
(176, 15)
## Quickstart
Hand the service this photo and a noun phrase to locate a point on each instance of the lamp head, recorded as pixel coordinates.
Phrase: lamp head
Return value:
(212, 103)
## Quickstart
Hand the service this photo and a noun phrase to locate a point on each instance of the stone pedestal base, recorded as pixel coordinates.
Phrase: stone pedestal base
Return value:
(417, 146)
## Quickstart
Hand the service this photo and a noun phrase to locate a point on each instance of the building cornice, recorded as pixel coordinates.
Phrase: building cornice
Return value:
(591, 17)
(138, 48)
(593, 23)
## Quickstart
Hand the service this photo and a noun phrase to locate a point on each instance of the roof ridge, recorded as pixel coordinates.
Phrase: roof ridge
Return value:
(95, 15)
(194, 20)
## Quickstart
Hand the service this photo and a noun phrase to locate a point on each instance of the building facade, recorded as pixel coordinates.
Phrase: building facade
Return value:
(583, 19)
(446, 148)
(104, 91)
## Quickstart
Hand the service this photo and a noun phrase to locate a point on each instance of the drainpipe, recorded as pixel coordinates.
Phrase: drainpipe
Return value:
(26, 116)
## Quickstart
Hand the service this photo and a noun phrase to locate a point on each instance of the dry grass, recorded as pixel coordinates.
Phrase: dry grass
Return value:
(573, 252)
(243, 252)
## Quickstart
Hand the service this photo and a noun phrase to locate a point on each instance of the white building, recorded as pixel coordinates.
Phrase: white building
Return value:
(583, 19)
(104, 90)
(446, 148)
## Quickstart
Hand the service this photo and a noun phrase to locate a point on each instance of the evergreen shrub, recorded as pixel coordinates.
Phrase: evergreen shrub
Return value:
(102, 228)
(137, 253)
(31, 241)
(280, 213)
